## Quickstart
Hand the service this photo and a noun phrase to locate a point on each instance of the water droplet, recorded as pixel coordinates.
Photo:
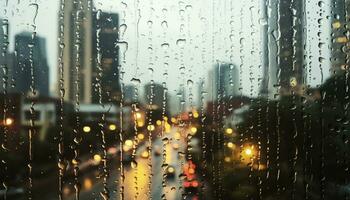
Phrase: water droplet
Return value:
(134, 164)
(181, 42)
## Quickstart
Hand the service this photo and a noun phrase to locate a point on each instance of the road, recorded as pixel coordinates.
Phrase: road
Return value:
(137, 184)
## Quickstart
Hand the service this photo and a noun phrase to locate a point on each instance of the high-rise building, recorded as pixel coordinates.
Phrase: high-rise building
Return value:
(201, 91)
(3, 23)
(3, 51)
(105, 73)
(224, 81)
(30, 65)
(339, 38)
(129, 94)
(90, 57)
(77, 53)
(283, 50)
(155, 92)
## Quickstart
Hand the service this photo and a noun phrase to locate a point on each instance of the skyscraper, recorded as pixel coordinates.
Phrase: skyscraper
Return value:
(77, 53)
(129, 94)
(339, 38)
(3, 51)
(3, 23)
(155, 92)
(25, 62)
(225, 81)
(283, 52)
(90, 57)
(105, 73)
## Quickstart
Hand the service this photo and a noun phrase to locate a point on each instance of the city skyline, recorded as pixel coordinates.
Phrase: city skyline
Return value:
(174, 99)
(132, 66)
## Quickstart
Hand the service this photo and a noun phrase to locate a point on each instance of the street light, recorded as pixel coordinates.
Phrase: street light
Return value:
(193, 130)
(195, 114)
(140, 136)
(112, 127)
(129, 143)
(230, 145)
(151, 127)
(97, 158)
(8, 121)
(229, 131)
(248, 152)
(86, 129)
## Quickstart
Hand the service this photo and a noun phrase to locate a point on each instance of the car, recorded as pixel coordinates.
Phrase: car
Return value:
(191, 186)
(190, 183)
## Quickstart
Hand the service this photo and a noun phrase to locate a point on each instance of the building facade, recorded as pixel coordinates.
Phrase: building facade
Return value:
(90, 56)
(224, 81)
(30, 68)
(77, 53)
(283, 47)
(105, 73)
(339, 12)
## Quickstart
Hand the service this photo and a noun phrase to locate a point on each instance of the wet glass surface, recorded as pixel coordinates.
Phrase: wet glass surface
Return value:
(184, 99)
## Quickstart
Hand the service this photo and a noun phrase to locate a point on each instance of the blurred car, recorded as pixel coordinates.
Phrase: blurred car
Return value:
(191, 186)
(190, 183)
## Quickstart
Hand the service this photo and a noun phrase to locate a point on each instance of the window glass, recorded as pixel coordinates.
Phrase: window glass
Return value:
(174, 99)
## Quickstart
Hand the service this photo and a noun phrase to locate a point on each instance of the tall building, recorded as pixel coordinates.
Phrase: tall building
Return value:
(25, 61)
(201, 91)
(155, 92)
(224, 81)
(339, 37)
(4, 27)
(105, 38)
(3, 49)
(129, 94)
(90, 57)
(283, 40)
(77, 53)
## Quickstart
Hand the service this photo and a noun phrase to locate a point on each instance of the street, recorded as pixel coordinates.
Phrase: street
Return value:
(137, 177)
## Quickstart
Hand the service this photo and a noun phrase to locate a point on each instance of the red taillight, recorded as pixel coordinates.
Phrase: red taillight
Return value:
(187, 184)
(195, 183)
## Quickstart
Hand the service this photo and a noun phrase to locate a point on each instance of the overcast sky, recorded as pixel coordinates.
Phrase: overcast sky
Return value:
(173, 36)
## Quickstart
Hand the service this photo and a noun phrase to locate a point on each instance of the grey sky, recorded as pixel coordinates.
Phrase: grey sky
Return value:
(209, 36)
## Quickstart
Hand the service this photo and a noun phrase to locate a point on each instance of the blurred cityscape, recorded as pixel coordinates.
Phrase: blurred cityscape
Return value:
(97, 137)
